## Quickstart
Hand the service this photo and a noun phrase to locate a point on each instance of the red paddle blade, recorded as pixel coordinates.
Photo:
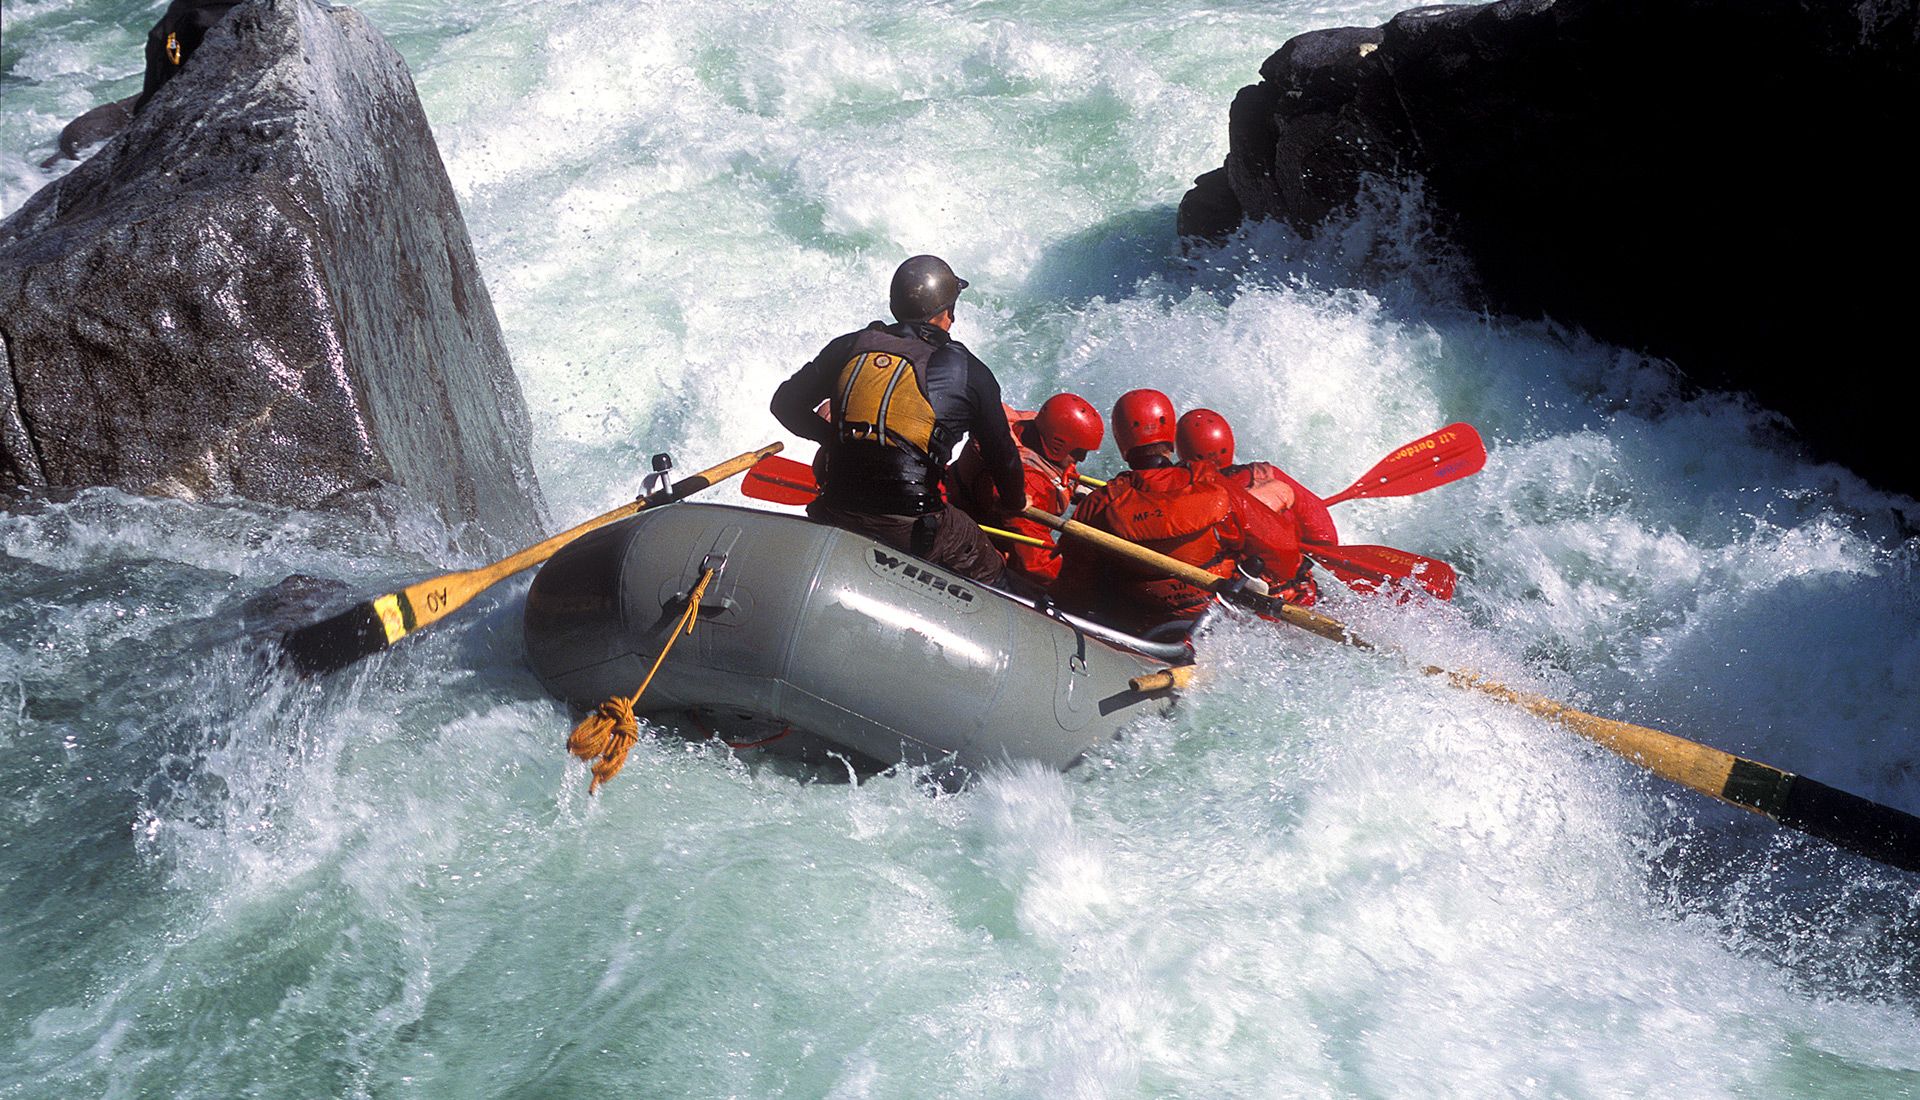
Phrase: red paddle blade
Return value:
(1449, 454)
(780, 481)
(1371, 568)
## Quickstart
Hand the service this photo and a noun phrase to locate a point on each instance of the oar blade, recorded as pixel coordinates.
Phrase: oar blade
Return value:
(1447, 455)
(1367, 568)
(789, 469)
(1848, 821)
(334, 644)
(778, 480)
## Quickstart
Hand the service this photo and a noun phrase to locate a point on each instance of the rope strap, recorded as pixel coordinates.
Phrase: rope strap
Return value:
(605, 735)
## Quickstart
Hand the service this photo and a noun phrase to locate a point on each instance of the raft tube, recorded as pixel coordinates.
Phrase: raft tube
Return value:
(811, 635)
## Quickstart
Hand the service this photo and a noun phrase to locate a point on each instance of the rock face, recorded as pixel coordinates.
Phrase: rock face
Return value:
(263, 287)
(1722, 183)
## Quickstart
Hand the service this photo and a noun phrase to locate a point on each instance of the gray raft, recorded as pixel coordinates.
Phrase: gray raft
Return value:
(810, 638)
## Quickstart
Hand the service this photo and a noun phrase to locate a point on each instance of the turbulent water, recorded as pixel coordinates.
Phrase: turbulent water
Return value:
(1323, 875)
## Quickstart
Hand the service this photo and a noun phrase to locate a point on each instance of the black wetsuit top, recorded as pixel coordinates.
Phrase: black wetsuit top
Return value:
(891, 479)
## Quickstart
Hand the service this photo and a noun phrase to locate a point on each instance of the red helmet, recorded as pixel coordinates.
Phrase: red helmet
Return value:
(1206, 435)
(1141, 417)
(1065, 424)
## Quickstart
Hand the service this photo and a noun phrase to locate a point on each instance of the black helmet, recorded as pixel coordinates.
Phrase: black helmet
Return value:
(923, 288)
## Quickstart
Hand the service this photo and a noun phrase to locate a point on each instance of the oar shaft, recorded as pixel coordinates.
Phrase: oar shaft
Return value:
(371, 626)
(430, 601)
(686, 486)
(1167, 679)
(1301, 617)
(1114, 544)
(1844, 820)
(1847, 821)
(1014, 536)
(1688, 763)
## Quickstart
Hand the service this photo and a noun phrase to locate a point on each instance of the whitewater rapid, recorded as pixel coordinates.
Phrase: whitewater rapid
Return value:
(1323, 875)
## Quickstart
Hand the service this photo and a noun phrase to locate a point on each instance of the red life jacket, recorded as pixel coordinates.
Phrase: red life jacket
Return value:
(1059, 481)
(1177, 511)
(970, 484)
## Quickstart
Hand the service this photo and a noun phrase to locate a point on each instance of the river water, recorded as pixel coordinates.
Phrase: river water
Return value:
(1323, 875)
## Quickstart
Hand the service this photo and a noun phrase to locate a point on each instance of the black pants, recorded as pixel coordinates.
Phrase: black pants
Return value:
(958, 545)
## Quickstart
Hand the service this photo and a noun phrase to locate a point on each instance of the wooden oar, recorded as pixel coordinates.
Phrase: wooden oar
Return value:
(368, 628)
(1434, 459)
(1844, 820)
(1192, 574)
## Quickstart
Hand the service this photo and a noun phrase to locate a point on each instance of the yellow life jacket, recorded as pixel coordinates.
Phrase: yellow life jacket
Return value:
(880, 398)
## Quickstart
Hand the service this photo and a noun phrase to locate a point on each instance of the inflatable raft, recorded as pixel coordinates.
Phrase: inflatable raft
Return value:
(812, 640)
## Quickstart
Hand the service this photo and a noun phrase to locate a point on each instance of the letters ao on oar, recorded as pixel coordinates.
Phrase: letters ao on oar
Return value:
(369, 627)
(1844, 820)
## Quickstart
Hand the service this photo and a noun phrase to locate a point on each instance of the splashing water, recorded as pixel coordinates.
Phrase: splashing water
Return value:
(1322, 875)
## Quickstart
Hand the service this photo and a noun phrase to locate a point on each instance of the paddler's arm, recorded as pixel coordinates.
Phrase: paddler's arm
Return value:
(795, 400)
(988, 427)
(1083, 571)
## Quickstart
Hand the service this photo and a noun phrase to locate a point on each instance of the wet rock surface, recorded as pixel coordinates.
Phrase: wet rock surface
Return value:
(1715, 182)
(263, 287)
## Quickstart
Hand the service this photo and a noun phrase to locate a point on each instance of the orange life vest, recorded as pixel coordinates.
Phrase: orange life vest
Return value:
(1177, 512)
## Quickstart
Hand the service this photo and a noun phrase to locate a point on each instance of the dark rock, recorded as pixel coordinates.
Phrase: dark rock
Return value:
(263, 287)
(1210, 211)
(1718, 182)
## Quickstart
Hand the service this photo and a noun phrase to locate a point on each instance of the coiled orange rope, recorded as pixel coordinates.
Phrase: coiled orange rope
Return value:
(611, 730)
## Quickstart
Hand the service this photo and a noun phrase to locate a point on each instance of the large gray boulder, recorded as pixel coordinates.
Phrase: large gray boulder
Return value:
(1722, 183)
(263, 288)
